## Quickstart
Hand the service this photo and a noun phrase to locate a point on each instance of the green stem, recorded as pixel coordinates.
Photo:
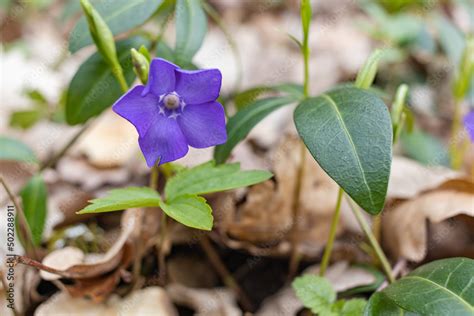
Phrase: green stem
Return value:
(332, 234)
(51, 162)
(306, 69)
(373, 241)
(456, 157)
(294, 255)
(118, 73)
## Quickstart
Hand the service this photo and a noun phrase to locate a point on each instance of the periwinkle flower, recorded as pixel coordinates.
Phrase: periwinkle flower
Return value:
(176, 108)
(469, 124)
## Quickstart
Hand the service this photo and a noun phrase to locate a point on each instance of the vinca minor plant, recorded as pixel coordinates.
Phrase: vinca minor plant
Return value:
(348, 130)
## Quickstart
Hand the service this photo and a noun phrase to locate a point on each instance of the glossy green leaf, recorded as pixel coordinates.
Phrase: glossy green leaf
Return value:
(315, 292)
(240, 125)
(442, 287)
(247, 97)
(119, 15)
(209, 178)
(33, 197)
(353, 307)
(11, 149)
(121, 199)
(191, 28)
(189, 210)
(349, 133)
(94, 88)
(380, 304)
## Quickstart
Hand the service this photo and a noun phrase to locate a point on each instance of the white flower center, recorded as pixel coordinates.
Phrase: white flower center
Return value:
(171, 101)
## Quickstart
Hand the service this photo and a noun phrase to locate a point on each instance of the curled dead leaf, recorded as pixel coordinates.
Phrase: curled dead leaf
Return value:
(405, 229)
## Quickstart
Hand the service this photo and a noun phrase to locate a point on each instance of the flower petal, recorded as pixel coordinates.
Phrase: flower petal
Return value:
(203, 125)
(161, 78)
(139, 110)
(469, 124)
(163, 140)
(198, 86)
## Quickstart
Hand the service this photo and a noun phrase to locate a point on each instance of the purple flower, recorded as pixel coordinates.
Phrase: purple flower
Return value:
(175, 109)
(469, 124)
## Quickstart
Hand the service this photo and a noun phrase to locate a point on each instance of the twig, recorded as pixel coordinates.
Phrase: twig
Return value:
(224, 273)
(24, 226)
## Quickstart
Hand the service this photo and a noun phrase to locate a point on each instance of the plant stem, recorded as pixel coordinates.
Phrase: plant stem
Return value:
(161, 251)
(52, 162)
(154, 177)
(233, 45)
(332, 234)
(118, 73)
(23, 223)
(372, 240)
(455, 154)
(224, 273)
(294, 255)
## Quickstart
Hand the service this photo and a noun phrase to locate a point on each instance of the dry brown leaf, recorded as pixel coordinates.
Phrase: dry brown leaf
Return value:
(111, 142)
(94, 265)
(149, 301)
(262, 222)
(341, 275)
(78, 170)
(205, 302)
(61, 259)
(405, 227)
(408, 178)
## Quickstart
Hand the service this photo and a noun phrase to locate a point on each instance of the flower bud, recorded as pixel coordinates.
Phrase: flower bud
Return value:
(466, 70)
(101, 34)
(397, 113)
(140, 65)
(367, 73)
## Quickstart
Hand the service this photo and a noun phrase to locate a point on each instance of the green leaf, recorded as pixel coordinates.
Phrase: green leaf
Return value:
(120, 16)
(33, 197)
(189, 210)
(379, 279)
(191, 28)
(353, 307)
(121, 199)
(315, 292)
(11, 149)
(451, 39)
(94, 87)
(442, 287)
(424, 148)
(25, 119)
(209, 178)
(367, 73)
(244, 98)
(349, 133)
(380, 304)
(242, 123)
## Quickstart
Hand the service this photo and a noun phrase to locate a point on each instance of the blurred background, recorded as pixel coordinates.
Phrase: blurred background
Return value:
(423, 42)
